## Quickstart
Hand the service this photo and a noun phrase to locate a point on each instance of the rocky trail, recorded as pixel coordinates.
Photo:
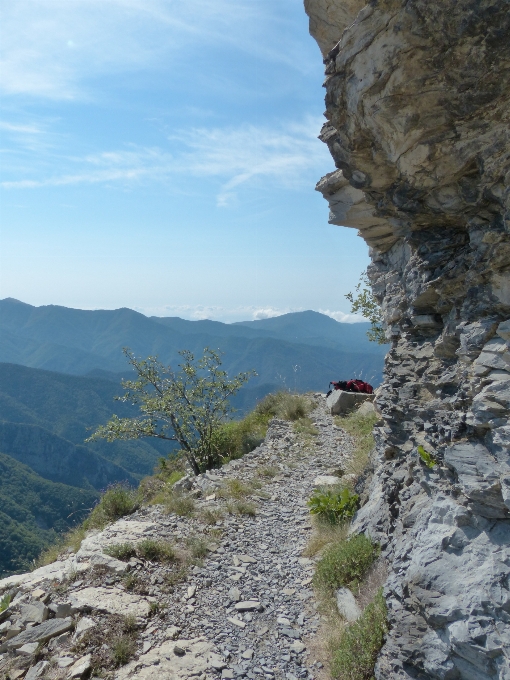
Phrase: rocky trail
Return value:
(244, 607)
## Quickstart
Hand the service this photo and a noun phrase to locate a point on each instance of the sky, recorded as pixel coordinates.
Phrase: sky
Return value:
(162, 155)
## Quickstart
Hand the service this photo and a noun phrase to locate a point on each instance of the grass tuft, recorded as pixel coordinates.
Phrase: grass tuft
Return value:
(121, 551)
(356, 650)
(117, 501)
(123, 648)
(242, 507)
(360, 428)
(198, 545)
(156, 551)
(345, 563)
(211, 516)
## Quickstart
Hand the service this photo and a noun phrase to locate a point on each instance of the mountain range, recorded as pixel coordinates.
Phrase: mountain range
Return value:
(60, 370)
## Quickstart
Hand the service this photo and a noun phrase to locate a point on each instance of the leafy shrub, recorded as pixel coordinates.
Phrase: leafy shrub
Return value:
(117, 501)
(333, 506)
(357, 649)
(345, 563)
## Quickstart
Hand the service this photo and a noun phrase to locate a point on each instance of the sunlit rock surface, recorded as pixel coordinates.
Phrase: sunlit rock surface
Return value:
(417, 108)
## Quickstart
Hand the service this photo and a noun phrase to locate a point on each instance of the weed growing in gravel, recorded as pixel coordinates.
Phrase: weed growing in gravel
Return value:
(360, 428)
(333, 505)
(304, 426)
(235, 488)
(345, 563)
(355, 651)
(156, 608)
(324, 534)
(198, 546)
(269, 472)
(211, 516)
(174, 577)
(156, 551)
(121, 551)
(131, 581)
(242, 507)
(123, 648)
(148, 549)
(181, 504)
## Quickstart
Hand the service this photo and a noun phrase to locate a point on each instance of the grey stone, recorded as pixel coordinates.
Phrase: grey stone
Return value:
(37, 671)
(346, 604)
(247, 605)
(27, 649)
(35, 612)
(45, 631)
(81, 667)
(340, 402)
(62, 610)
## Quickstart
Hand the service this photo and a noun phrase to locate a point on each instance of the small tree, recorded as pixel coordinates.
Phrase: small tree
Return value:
(364, 303)
(186, 407)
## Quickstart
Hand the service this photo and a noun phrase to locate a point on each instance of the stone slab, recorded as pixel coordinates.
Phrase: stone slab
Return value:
(45, 631)
(161, 662)
(113, 601)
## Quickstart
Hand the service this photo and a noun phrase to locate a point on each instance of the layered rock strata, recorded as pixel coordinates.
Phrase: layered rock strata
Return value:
(417, 109)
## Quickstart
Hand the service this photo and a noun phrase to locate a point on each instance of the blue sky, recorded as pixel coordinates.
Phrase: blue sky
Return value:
(162, 155)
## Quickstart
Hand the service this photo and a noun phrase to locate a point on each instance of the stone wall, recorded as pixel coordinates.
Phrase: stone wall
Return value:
(417, 109)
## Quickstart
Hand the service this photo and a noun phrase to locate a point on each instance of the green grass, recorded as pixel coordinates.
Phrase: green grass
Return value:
(268, 472)
(211, 516)
(345, 563)
(5, 602)
(148, 549)
(121, 551)
(242, 507)
(355, 652)
(156, 551)
(131, 580)
(123, 648)
(360, 428)
(198, 546)
(235, 488)
(305, 427)
(116, 502)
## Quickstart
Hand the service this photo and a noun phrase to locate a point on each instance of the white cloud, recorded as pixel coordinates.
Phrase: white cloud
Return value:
(240, 313)
(23, 129)
(289, 157)
(342, 317)
(50, 48)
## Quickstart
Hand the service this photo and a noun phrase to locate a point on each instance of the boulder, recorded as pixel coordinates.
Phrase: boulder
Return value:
(340, 402)
(346, 605)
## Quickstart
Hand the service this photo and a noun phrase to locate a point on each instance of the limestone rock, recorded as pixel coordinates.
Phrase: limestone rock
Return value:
(340, 402)
(113, 601)
(346, 605)
(161, 662)
(42, 633)
(416, 122)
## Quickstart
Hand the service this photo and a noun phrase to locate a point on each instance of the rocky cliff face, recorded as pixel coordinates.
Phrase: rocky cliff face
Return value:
(417, 109)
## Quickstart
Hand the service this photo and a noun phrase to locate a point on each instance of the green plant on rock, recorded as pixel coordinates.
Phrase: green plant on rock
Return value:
(121, 551)
(345, 563)
(363, 302)
(187, 406)
(5, 602)
(117, 501)
(333, 505)
(355, 653)
(427, 457)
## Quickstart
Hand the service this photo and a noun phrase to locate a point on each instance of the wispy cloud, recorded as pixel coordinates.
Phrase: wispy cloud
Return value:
(286, 156)
(50, 48)
(23, 129)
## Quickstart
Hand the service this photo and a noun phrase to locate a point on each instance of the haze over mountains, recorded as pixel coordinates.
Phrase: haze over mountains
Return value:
(60, 370)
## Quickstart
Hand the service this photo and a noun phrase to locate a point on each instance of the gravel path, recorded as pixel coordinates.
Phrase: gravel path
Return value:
(249, 607)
